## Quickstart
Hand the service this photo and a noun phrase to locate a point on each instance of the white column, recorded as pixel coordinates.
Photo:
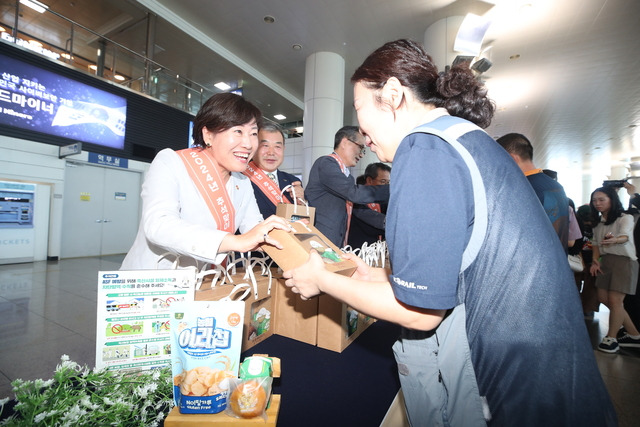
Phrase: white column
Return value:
(323, 105)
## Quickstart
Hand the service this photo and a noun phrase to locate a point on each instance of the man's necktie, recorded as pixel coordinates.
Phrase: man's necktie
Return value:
(271, 176)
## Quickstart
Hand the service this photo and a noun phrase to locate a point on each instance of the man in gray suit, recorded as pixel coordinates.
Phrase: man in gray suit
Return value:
(332, 189)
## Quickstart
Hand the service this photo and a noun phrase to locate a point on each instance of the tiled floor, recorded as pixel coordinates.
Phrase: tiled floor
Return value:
(49, 308)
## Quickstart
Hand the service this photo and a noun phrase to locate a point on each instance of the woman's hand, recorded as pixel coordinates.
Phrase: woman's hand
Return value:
(306, 280)
(595, 268)
(631, 189)
(609, 239)
(256, 237)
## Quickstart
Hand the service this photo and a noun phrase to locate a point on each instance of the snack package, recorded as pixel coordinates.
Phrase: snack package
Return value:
(206, 340)
(248, 398)
(250, 393)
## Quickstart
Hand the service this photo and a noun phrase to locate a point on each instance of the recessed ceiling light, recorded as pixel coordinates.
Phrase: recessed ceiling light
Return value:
(35, 5)
(279, 117)
(296, 47)
(516, 56)
(222, 86)
(269, 19)
(93, 67)
(118, 77)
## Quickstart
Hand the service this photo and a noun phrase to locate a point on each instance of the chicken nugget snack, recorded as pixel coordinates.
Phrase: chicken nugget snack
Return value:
(206, 340)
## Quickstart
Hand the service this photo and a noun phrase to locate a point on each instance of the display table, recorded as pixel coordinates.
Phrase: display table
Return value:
(319, 387)
(176, 419)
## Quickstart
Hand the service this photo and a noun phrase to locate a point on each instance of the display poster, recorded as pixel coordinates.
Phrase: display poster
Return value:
(133, 315)
(39, 100)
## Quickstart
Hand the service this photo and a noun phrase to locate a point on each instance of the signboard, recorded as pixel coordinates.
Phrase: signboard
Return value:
(42, 101)
(103, 159)
(70, 149)
(133, 329)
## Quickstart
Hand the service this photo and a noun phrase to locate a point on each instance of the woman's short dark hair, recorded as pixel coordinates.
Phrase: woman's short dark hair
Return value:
(457, 89)
(221, 112)
(616, 209)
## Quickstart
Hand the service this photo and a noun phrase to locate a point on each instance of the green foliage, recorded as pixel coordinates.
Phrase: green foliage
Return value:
(79, 396)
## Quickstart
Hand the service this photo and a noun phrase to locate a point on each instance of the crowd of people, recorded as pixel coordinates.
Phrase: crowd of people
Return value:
(493, 327)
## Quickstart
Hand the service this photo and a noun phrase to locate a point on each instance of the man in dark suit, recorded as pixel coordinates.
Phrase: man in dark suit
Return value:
(368, 221)
(332, 190)
(267, 180)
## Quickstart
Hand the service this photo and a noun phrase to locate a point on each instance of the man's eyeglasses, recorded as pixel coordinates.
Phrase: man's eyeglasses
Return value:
(363, 147)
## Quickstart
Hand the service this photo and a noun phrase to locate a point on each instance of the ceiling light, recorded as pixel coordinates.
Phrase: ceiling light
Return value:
(3, 30)
(269, 19)
(222, 86)
(279, 117)
(296, 47)
(471, 33)
(118, 77)
(35, 5)
(93, 67)
(35, 43)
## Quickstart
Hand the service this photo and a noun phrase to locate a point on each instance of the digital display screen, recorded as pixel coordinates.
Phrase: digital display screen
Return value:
(35, 99)
(191, 145)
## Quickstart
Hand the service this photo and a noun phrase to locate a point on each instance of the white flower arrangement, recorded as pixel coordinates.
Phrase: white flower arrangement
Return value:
(79, 396)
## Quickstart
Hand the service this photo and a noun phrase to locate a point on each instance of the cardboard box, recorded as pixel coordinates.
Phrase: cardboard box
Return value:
(323, 321)
(298, 243)
(296, 212)
(259, 304)
(295, 318)
(338, 324)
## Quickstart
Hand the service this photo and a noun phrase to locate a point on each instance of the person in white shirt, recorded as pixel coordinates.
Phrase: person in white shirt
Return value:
(194, 200)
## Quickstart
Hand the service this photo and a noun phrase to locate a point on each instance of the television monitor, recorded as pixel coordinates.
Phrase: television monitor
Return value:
(42, 101)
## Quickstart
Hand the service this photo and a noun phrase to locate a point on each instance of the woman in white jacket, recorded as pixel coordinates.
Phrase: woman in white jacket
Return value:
(194, 200)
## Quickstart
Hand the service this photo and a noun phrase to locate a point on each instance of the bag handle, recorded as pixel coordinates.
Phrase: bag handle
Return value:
(373, 254)
(219, 275)
(174, 266)
(233, 294)
(295, 205)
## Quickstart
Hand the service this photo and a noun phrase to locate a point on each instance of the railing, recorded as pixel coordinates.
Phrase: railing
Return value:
(61, 38)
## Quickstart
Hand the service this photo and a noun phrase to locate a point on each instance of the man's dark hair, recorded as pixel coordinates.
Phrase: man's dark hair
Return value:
(373, 169)
(349, 132)
(516, 143)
